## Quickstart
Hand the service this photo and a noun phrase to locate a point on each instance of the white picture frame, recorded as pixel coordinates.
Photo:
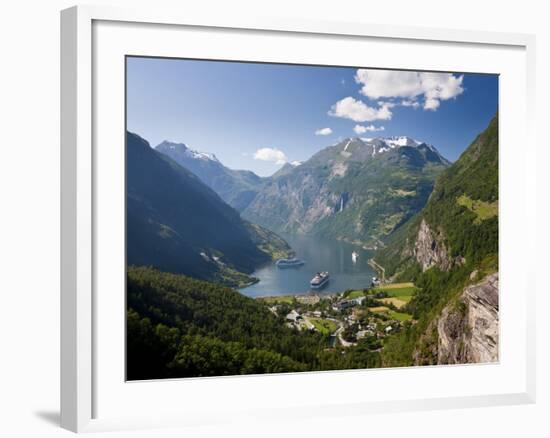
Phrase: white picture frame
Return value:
(84, 371)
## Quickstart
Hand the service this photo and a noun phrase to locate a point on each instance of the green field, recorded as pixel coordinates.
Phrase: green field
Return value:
(324, 326)
(399, 316)
(398, 290)
(283, 299)
(483, 210)
(355, 294)
(399, 294)
(403, 292)
(396, 301)
(397, 285)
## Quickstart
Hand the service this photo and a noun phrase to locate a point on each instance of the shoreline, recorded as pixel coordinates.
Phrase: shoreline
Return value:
(296, 295)
(378, 268)
(253, 281)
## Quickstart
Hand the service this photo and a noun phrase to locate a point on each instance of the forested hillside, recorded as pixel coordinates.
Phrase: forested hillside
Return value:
(178, 224)
(451, 244)
(181, 327)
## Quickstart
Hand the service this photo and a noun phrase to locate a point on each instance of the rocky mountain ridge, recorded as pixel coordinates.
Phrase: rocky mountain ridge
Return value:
(357, 190)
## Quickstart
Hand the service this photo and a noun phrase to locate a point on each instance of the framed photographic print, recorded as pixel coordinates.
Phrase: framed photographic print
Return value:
(257, 210)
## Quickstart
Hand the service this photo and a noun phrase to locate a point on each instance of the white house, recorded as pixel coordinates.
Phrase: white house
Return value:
(293, 316)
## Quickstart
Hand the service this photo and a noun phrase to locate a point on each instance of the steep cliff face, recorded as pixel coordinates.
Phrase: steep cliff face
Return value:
(292, 203)
(429, 248)
(357, 190)
(468, 331)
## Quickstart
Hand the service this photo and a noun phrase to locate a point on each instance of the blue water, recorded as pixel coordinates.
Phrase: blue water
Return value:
(319, 254)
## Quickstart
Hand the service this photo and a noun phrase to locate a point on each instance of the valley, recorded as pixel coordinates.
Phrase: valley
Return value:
(286, 218)
(409, 240)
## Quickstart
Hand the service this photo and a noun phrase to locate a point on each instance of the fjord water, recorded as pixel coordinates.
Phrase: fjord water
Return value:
(319, 254)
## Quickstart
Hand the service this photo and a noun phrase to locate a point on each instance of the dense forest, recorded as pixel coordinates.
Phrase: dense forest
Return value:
(181, 327)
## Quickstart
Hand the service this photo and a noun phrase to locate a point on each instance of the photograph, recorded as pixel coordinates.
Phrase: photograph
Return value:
(285, 218)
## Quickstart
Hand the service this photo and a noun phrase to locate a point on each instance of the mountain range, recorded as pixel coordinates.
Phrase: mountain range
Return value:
(178, 224)
(235, 187)
(432, 222)
(359, 190)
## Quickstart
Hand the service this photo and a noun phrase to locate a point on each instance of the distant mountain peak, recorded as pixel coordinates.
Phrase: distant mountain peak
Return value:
(391, 142)
(401, 140)
(384, 144)
(182, 148)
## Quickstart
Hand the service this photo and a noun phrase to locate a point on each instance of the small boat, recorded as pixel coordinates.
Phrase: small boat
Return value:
(289, 263)
(354, 256)
(320, 279)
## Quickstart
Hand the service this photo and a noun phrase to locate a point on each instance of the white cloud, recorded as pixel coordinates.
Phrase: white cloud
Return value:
(323, 131)
(431, 104)
(433, 87)
(271, 154)
(359, 111)
(412, 103)
(360, 129)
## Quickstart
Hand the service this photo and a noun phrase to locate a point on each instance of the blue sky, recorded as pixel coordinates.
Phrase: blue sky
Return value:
(256, 116)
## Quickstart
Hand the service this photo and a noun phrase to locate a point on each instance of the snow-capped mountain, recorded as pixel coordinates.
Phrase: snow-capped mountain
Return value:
(359, 190)
(384, 144)
(401, 141)
(236, 187)
(183, 149)
(365, 148)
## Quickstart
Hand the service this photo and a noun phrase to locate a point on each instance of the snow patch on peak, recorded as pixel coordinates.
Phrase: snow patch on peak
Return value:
(295, 163)
(183, 148)
(201, 155)
(401, 141)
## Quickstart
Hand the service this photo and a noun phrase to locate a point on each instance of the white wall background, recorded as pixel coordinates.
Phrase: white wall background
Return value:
(29, 215)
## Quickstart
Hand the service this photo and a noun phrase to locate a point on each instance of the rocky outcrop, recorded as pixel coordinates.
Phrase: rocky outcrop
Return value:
(429, 249)
(468, 329)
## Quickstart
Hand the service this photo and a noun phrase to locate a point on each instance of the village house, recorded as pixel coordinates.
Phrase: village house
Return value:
(346, 304)
(293, 316)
